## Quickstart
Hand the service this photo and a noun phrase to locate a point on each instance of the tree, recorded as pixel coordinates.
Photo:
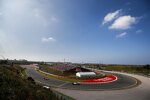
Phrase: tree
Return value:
(146, 67)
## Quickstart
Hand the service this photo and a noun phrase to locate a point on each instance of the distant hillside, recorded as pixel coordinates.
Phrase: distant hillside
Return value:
(14, 85)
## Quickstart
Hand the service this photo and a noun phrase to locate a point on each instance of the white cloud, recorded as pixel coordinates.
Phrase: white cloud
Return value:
(123, 22)
(139, 31)
(49, 39)
(111, 16)
(121, 35)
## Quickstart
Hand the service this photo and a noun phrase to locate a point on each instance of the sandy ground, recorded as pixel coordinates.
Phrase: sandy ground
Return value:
(141, 92)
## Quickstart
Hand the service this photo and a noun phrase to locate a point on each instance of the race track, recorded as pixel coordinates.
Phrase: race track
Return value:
(123, 82)
(141, 92)
(118, 90)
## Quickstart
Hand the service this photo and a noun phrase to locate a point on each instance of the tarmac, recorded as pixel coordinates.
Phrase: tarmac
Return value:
(141, 92)
(125, 88)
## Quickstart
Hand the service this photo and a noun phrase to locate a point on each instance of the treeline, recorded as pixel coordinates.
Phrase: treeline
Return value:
(15, 86)
(23, 62)
(146, 67)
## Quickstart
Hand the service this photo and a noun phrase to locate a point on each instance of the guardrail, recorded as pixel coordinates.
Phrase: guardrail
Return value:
(60, 95)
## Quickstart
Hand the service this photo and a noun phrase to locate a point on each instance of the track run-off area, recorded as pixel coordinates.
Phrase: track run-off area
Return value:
(106, 79)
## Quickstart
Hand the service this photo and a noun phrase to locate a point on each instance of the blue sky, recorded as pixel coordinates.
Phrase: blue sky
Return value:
(90, 31)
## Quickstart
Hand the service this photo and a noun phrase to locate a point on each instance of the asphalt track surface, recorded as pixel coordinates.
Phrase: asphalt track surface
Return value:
(141, 92)
(123, 82)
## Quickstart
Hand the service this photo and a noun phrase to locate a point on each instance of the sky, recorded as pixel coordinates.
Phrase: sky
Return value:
(81, 31)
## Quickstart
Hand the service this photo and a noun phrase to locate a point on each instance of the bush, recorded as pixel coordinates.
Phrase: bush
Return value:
(31, 80)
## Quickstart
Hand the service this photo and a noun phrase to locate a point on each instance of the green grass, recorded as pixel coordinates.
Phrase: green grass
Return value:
(45, 68)
(67, 76)
(130, 69)
(67, 79)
